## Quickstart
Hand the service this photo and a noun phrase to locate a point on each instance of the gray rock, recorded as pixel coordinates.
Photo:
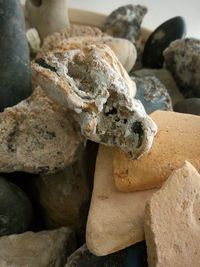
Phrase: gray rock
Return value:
(42, 249)
(15, 78)
(153, 94)
(190, 106)
(182, 59)
(16, 211)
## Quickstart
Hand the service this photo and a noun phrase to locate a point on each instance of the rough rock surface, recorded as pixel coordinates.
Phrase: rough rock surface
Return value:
(177, 140)
(172, 223)
(123, 49)
(182, 59)
(42, 249)
(37, 136)
(94, 84)
(115, 219)
(189, 106)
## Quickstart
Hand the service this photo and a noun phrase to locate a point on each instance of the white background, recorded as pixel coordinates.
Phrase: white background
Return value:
(158, 11)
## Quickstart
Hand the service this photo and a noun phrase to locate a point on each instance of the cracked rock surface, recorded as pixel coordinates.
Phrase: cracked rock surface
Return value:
(92, 83)
(37, 136)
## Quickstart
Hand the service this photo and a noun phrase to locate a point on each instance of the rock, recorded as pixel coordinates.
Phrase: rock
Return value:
(165, 78)
(115, 219)
(42, 249)
(153, 94)
(123, 49)
(160, 39)
(33, 40)
(92, 83)
(172, 224)
(16, 211)
(47, 16)
(125, 21)
(37, 136)
(15, 78)
(177, 140)
(190, 106)
(182, 59)
(65, 196)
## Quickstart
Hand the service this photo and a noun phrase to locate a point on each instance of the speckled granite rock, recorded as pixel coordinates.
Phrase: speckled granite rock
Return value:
(42, 249)
(15, 76)
(172, 223)
(16, 213)
(94, 84)
(153, 94)
(182, 59)
(190, 106)
(37, 136)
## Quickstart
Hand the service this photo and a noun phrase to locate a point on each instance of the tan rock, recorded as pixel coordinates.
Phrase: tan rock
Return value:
(92, 83)
(115, 219)
(37, 136)
(42, 249)
(172, 221)
(177, 140)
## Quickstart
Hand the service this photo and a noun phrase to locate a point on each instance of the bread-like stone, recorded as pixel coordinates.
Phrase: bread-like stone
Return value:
(115, 220)
(37, 136)
(177, 140)
(92, 83)
(172, 221)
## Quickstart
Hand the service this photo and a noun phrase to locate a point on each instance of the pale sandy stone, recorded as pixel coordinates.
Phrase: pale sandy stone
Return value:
(177, 140)
(115, 219)
(172, 221)
(42, 249)
(92, 82)
(37, 136)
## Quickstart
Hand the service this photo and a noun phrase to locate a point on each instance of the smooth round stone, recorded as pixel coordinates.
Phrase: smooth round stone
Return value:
(15, 209)
(190, 106)
(15, 77)
(160, 39)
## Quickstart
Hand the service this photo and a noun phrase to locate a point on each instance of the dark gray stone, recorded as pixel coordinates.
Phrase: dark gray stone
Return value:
(125, 22)
(160, 39)
(190, 106)
(15, 209)
(153, 94)
(15, 78)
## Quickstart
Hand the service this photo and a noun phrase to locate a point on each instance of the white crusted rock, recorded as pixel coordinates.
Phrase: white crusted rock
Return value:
(37, 136)
(94, 84)
(124, 49)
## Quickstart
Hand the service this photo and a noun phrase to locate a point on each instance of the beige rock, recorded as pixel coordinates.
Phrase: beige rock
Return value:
(123, 49)
(177, 140)
(172, 221)
(42, 249)
(37, 136)
(94, 84)
(115, 219)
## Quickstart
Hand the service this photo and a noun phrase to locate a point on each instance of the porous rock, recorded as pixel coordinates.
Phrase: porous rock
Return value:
(177, 140)
(37, 136)
(115, 219)
(172, 225)
(42, 249)
(182, 59)
(123, 49)
(94, 84)
(189, 105)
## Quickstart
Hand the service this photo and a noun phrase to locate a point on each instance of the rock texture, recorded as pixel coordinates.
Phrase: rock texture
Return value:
(115, 219)
(177, 140)
(16, 213)
(190, 106)
(94, 84)
(172, 223)
(42, 249)
(37, 136)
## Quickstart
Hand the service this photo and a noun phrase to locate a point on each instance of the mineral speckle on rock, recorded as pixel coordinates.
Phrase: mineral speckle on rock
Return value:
(125, 22)
(94, 84)
(190, 106)
(37, 136)
(182, 59)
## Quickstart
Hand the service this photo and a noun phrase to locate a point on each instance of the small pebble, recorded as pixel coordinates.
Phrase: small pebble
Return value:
(190, 106)
(160, 39)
